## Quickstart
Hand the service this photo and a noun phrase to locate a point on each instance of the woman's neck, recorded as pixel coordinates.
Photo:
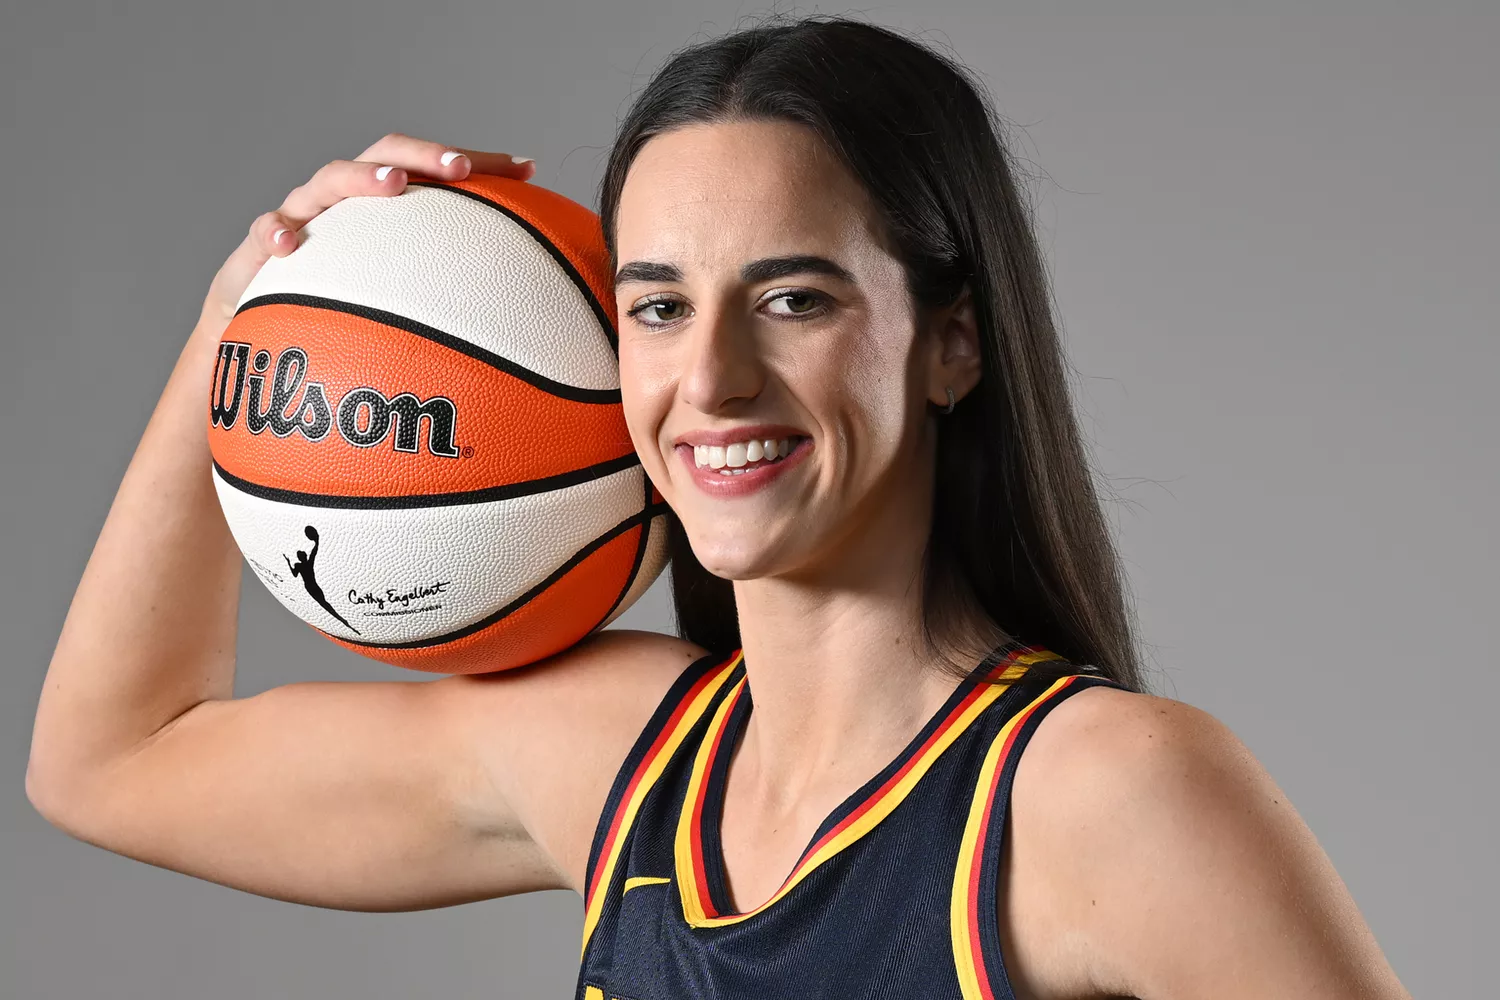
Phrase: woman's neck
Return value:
(839, 674)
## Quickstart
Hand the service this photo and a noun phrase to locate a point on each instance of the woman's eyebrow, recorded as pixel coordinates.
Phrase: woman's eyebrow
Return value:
(646, 270)
(764, 269)
(771, 268)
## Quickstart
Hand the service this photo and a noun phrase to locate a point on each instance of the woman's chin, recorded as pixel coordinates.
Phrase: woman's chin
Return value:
(734, 559)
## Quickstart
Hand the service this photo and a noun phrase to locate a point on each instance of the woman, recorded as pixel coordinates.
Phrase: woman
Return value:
(838, 367)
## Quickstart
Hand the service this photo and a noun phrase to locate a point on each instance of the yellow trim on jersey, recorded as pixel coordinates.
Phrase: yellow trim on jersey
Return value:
(687, 881)
(962, 932)
(693, 909)
(654, 769)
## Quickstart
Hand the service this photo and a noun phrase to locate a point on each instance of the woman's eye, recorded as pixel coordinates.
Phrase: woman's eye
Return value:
(795, 304)
(792, 305)
(660, 311)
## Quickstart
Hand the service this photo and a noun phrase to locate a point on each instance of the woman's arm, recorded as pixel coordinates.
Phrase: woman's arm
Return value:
(359, 795)
(1179, 866)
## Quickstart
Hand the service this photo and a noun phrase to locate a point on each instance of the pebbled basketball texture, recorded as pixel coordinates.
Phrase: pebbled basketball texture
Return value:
(417, 434)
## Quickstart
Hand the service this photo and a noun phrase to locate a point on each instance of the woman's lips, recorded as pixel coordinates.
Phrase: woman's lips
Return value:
(755, 477)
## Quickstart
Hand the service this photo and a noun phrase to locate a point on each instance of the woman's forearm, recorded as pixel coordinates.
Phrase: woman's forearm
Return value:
(151, 629)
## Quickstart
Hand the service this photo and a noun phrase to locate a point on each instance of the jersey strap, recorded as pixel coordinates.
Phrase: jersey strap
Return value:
(974, 915)
(692, 694)
(867, 808)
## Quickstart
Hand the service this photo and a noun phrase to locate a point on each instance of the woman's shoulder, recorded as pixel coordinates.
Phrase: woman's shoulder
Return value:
(553, 734)
(618, 667)
(1130, 809)
(593, 698)
(632, 667)
(1106, 749)
(1104, 734)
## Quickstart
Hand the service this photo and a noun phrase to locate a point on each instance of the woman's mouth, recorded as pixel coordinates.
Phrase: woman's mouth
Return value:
(743, 456)
(743, 467)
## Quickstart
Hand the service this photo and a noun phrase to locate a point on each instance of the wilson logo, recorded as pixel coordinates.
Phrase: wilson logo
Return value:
(286, 403)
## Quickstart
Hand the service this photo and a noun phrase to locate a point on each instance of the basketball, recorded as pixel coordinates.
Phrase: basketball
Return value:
(416, 429)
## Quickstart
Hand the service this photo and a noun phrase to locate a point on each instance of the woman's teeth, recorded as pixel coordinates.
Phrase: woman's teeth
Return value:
(732, 460)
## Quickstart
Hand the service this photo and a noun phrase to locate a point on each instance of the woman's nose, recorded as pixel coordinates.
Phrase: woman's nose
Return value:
(721, 363)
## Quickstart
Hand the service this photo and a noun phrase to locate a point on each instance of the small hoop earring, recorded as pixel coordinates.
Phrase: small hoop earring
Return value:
(949, 390)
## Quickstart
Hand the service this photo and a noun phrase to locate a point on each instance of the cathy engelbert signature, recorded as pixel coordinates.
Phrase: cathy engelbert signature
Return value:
(391, 596)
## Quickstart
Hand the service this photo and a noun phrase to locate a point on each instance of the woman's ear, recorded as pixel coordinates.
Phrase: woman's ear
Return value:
(954, 362)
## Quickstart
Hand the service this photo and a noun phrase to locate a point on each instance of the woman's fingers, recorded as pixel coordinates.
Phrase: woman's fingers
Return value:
(519, 167)
(275, 234)
(385, 167)
(339, 180)
(272, 234)
(381, 170)
(452, 163)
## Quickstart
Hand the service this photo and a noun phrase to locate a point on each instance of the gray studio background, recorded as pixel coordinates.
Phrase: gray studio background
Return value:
(1274, 243)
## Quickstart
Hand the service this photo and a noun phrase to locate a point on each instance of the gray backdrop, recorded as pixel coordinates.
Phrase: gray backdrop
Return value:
(1274, 243)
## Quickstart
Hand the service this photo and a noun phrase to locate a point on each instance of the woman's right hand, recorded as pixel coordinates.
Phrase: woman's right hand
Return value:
(381, 170)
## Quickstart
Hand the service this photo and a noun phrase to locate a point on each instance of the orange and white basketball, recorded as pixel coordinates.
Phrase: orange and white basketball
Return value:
(417, 434)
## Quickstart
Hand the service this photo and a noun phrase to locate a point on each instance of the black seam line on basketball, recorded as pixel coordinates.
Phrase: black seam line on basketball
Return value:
(643, 517)
(640, 554)
(489, 494)
(577, 394)
(569, 269)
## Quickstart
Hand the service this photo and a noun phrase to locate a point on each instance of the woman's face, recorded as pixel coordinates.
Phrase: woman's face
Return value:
(757, 303)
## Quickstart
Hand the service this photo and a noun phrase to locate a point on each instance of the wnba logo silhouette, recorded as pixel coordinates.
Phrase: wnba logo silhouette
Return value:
(364, 416)
(303, 570)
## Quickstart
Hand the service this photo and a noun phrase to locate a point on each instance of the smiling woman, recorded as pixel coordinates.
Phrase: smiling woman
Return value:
(841, 371)
(853, 184)
(838, 367)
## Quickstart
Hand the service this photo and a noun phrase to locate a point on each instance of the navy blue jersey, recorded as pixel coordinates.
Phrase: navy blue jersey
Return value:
(895, 895)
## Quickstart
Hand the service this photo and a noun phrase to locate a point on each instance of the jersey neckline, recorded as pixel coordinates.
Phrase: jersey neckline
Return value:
(698, 851)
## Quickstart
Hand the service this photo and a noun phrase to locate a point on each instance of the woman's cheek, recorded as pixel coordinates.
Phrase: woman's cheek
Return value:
(641, 401)
(875, 386)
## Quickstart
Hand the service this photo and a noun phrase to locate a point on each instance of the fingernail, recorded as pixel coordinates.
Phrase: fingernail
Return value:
(276, 236)
(449, 157)
(383, 173)
(518, 160)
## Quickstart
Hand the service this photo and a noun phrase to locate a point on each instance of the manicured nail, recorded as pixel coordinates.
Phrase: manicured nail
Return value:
(276, 236)
(449, 157)
(518, 160)
(383, 173)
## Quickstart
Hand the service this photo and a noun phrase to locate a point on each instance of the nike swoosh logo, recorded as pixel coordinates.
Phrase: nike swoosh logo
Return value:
(640, 880)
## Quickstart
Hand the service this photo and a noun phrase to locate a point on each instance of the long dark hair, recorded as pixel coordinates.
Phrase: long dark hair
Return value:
(1019, 548)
